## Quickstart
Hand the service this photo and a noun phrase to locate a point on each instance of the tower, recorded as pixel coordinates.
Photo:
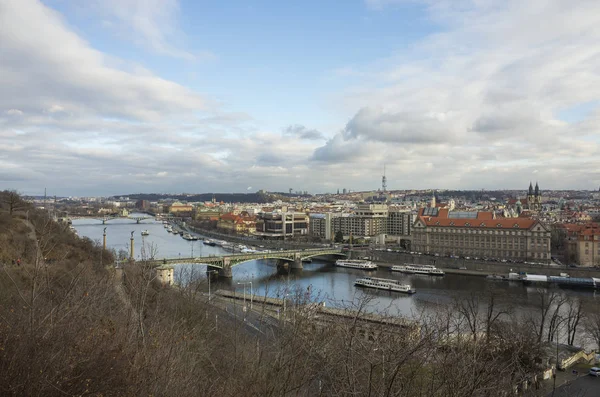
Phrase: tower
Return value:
(433, 200)
(538, 197)
(383, 181)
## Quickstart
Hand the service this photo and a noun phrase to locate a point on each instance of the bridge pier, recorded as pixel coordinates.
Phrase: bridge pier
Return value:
(225, 271)
(297, 263)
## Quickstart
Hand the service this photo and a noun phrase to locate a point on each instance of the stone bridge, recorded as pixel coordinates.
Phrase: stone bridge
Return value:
(224, 263)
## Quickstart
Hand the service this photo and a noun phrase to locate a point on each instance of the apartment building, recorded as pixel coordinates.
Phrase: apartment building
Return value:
(368, 220)
(480, 234)
(281, 225)
(583, 243)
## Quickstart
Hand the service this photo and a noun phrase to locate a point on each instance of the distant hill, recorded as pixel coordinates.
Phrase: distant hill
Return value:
(224, 197)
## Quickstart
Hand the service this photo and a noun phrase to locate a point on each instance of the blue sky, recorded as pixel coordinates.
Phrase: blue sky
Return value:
(118, 96)
(290, 53)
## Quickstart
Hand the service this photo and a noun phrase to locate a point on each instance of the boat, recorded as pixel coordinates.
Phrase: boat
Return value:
(385, 284)
(187, 236)
(418, 269)
(209, 242)
(169, 229)
(145, 232)
(495, 277)
(356, 264)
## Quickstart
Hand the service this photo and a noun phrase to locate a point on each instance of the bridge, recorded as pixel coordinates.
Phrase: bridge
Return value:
(104, 219)
(224, 263)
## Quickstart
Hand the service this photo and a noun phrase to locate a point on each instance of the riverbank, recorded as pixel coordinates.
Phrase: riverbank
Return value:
(474, 267)
(246, 240)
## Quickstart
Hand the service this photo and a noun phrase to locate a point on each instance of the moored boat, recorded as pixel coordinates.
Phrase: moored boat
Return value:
(356, 264)
(384, 284)
(418, 269)
(145, 232)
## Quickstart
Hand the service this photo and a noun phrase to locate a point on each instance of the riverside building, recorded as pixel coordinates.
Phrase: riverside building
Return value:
(281, 225)
(480, 234)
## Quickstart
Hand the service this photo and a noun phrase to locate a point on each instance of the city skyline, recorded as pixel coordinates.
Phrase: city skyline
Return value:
(109, 97)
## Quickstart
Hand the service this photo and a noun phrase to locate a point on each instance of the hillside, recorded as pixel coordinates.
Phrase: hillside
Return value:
(71, 325)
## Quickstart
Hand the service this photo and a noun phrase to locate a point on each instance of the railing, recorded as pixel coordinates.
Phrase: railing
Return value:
(236, 259)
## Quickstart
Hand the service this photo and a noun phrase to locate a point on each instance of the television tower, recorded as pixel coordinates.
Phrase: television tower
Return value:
(383, 181)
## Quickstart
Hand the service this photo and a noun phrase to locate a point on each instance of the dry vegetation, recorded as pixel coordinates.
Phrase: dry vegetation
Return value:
(70, 327)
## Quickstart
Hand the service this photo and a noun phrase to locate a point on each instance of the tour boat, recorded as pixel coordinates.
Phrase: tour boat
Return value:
(418, 269)
(145, 233)
(187, 236)
(356, 264)
(385, 284)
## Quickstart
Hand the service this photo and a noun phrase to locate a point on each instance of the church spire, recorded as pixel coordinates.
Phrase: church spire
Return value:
(537, 189)
(530, 189)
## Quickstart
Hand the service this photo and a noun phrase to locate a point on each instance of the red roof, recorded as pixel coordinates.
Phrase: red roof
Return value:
(484, 219)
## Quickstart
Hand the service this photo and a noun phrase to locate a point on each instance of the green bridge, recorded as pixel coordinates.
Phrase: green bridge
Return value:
(226, 262)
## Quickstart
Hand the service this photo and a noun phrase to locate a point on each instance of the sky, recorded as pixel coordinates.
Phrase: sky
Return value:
(103, 97)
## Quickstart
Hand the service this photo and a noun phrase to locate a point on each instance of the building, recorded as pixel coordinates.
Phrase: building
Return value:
(237, 223)
(142, 205)
(368, 220)
(583, 244)
(281, 225)
(178, 207)
(320, 225)
(480, 234)
(534, 198)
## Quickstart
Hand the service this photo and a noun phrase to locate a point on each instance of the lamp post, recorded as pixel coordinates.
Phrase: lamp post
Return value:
(382, 368)
(209, 273)
(244, 284)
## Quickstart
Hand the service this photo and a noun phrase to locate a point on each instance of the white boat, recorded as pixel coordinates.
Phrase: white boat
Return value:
(385, 284)
(145, 232)
(356, 264)
(418, 269)
(187, 236)
(169, 229)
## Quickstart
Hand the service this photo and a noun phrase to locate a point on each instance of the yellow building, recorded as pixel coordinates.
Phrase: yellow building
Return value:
(583, 244)
(180, 207)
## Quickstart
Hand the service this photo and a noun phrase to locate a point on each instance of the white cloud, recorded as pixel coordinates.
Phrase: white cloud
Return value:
(480, 100)
(14, 112)
(150, 24)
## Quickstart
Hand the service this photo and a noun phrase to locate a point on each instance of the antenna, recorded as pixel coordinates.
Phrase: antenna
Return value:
(383, 181)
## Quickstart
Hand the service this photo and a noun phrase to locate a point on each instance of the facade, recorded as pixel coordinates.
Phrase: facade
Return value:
(320, 225)
(369, 220)
(583, 244)
(399, 223)
(480, 234)
(180, 207)
(281, 224)
(235, 223)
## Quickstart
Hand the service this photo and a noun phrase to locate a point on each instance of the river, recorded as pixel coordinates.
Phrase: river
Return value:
(321, 279)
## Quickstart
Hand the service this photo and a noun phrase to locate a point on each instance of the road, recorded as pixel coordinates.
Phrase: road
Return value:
(584, 386)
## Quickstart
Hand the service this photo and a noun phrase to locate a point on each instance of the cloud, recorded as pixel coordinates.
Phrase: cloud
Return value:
(150, 24)
(481, 96)
(302, 132)
(36, 77)
(14, 112)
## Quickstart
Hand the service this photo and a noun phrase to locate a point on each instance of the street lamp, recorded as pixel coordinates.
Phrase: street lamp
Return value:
(382, 367)
(209, 272)
(244, 284)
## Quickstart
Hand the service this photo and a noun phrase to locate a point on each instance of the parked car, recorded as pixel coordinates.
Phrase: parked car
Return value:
(595, 371)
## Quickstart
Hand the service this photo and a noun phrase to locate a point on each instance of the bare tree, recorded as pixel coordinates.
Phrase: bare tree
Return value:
(575, 315)
(544, 301)
(13, 201)
(592, 326)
